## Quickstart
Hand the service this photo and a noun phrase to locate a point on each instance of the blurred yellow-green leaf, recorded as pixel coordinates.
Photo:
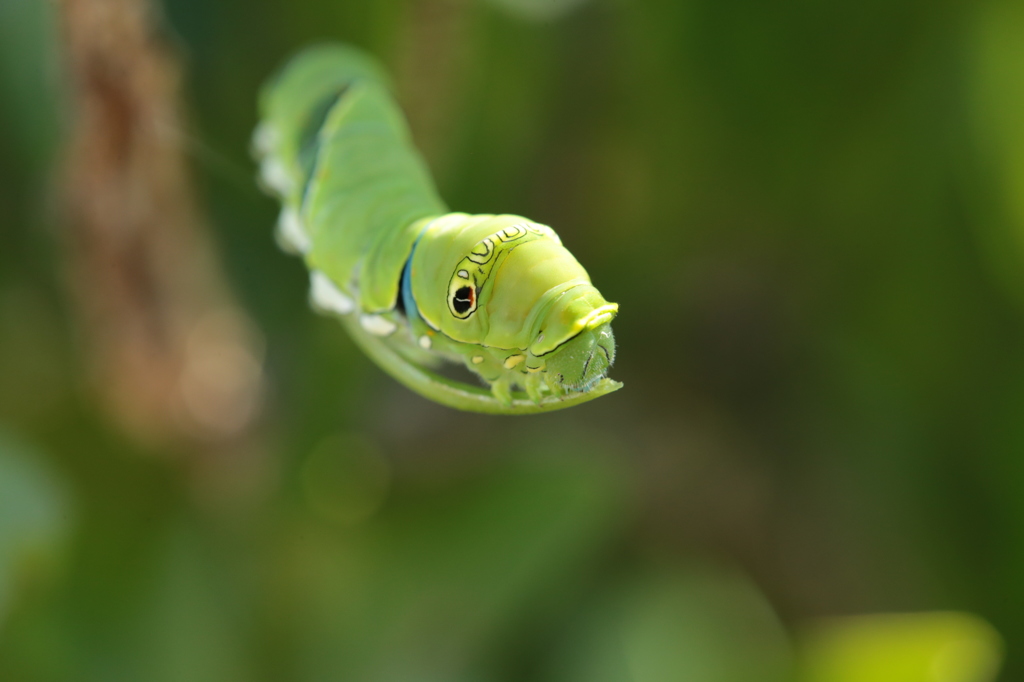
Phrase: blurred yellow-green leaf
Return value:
(917, 647)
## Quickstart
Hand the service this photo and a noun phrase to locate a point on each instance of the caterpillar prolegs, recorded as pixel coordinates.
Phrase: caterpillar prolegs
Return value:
(412, 282)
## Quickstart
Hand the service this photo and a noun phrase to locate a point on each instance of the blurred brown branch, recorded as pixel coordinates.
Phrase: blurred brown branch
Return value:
(175, 359)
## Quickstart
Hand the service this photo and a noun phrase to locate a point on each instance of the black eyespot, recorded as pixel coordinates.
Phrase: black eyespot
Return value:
(463, 299)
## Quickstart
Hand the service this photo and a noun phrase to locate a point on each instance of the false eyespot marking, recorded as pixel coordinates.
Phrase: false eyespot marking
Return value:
(326, 296)
(473, 270)
(464, 301)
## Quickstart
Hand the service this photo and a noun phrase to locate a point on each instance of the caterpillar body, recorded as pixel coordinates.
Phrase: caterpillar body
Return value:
(412, 282)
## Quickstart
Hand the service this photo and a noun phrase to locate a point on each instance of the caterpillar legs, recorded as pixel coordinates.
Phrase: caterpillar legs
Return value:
(460, 395)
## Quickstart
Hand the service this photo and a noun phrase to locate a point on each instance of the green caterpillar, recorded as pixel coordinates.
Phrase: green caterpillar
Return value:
(412, 282)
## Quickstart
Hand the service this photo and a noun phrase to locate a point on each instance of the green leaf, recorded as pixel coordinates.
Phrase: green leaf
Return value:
(920, 647)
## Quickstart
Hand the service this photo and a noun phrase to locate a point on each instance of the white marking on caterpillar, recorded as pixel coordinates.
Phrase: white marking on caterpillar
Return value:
(424, 342)
(463, 274)
(326, 296)
(275, 176)
(264, 139)
(377, 325)
(291, 235)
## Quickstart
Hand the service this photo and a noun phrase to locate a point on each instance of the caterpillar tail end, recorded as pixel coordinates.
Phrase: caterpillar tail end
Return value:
(459, 395)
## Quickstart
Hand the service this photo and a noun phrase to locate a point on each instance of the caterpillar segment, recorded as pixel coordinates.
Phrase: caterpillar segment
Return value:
(413, 283)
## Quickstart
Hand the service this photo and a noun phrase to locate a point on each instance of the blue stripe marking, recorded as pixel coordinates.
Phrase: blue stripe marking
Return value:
(412, 311)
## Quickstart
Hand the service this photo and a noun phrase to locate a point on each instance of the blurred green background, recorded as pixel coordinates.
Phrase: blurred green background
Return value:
(812, 217)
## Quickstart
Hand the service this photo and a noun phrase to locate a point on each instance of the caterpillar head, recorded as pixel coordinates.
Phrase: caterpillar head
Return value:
(582, 361)
(522, 306)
